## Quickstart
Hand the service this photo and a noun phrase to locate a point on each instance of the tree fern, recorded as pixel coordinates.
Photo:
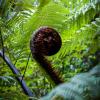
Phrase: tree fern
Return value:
(75, 20)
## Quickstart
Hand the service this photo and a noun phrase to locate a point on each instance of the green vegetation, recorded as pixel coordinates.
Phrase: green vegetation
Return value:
(77, 21)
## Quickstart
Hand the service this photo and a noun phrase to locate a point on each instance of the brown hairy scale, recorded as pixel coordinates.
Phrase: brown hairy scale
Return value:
(46, 41)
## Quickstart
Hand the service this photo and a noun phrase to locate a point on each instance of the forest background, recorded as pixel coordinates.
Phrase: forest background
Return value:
(77, 21)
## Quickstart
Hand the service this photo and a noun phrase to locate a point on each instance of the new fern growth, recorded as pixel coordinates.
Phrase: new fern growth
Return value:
(46, 42)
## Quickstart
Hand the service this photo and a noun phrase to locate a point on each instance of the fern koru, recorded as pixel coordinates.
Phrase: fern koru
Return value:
(46, 41)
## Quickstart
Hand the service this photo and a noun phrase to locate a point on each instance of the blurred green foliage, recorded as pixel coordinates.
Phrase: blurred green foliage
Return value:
(77, 21)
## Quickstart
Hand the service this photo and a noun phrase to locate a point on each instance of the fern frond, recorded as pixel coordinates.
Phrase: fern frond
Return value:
(85, 86)
(77, 41)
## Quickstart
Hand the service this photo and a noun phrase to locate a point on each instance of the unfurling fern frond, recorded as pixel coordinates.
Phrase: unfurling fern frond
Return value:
(84, 86)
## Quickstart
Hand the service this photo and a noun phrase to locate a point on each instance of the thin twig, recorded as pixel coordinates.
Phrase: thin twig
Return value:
(26, 66)
(2, 43)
